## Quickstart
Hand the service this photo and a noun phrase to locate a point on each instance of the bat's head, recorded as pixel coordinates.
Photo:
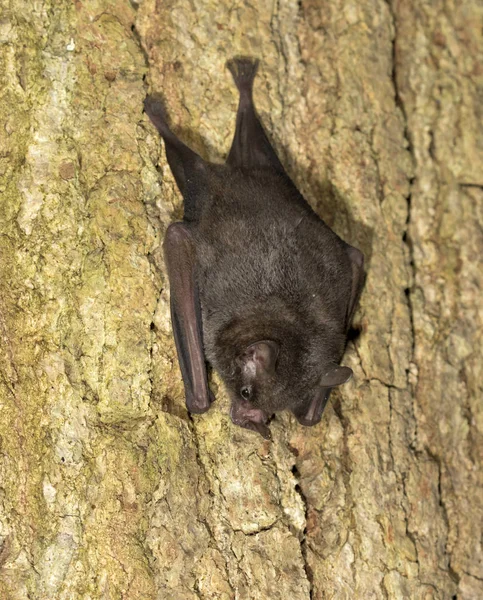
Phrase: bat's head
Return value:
(258, 382)
(270, 376)
(270, 363)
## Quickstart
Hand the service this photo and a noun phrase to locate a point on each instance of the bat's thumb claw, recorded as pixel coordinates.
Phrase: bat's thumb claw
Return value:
(197, 404)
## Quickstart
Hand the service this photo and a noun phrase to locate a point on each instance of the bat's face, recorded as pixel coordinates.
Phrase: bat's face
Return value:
(269, 378)
(256, 387)
(258, 381)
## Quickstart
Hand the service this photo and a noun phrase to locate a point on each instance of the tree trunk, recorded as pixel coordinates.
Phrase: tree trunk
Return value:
(109, 489)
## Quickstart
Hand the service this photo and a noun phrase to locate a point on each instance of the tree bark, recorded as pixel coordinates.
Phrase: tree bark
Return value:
(109, 489)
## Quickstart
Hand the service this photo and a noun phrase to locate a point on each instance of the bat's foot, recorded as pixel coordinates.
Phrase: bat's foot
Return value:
(243, 70)
(247, 416)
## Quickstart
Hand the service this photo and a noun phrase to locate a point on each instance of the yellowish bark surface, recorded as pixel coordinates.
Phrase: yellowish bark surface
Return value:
(108, 488)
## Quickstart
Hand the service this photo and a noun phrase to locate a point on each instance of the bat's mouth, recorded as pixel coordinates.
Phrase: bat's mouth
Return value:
(244, 414)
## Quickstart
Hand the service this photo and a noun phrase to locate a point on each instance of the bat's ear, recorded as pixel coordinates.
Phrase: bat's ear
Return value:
(335, 375)
(260, 358)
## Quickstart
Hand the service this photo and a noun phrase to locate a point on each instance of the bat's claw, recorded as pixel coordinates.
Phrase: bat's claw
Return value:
(198, 404)
(312, 414)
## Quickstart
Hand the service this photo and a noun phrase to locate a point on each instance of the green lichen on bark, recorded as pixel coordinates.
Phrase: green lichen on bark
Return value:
(108, 488)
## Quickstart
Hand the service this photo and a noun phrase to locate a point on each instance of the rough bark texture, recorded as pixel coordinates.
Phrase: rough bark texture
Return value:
(109, 489)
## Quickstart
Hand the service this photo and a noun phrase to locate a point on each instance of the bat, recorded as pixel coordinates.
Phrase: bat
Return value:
(261, 288)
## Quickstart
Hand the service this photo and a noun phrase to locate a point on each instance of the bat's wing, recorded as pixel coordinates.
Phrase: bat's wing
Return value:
(311, 414)
(189, 169)
(180, 255)
(250, 147)
(357, 265)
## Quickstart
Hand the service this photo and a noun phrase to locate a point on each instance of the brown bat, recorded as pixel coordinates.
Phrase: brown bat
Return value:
(261, 287)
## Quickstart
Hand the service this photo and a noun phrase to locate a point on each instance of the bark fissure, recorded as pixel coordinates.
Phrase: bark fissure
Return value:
(303, 541)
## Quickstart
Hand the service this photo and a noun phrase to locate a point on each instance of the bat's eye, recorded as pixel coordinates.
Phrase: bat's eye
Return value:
(246, 392)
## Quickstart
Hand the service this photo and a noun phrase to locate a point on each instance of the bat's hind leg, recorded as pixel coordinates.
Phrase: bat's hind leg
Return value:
(188, 168)
(250, 147)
